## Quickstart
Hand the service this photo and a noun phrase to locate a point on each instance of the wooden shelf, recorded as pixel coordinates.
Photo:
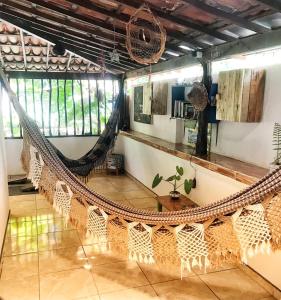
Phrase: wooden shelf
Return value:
(240, 171)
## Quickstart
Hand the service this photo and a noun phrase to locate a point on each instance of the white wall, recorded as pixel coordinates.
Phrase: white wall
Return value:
(252, 142)
(72, 147)
(4, 208)
(144, 162)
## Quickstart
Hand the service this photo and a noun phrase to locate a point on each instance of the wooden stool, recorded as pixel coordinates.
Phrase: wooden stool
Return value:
(175, 204)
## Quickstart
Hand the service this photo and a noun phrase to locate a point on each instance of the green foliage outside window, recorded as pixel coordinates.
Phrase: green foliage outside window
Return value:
(61, 107)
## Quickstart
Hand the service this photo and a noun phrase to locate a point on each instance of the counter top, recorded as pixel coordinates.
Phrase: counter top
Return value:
(240, 171)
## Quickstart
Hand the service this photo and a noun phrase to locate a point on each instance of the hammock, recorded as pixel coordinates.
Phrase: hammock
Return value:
(97, 155)
(232, 229)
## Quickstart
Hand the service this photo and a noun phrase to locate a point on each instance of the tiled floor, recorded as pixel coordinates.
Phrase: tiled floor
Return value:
(44, 259)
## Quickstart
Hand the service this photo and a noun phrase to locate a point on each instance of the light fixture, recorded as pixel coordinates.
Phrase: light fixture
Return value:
(185, 47)
(172, 53)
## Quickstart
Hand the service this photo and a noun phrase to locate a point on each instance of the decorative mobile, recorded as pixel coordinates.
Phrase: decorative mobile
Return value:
(146, 37)
(198, 96)
(114, 55)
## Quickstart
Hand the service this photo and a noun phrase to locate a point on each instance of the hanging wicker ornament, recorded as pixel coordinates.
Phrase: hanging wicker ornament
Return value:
(198, 96)
(146, 37)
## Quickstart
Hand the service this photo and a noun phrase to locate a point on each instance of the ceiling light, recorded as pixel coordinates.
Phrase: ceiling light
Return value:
(185, 47)
(172, 53)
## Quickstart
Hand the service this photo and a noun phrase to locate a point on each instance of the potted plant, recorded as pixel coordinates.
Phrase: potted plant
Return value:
(174, 180)
(277, 146)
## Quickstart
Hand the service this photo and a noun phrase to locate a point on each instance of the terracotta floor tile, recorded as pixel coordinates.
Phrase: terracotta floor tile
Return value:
(132, 195)
(118, 276)
(140, 293)
(19, 266)
(144, 202)
(67, 285)
(25, 288)
(23, 214)
(99, 255)
(115, 196)
(224, 267)
(57, 240)
(21, 228)
(22, 204)
(61, 259)
(42, 203)
(22, 197)
(191, 288)
(20, 245)
(27, 218)
(234, 284)
(155, 273)
(53, 225)
(47, 214)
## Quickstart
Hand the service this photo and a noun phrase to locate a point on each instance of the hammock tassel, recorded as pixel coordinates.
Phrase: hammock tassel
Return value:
(191, 245)
(252, 230)
(62, 200)
(140, 243)
(97, 225)
(36, 164)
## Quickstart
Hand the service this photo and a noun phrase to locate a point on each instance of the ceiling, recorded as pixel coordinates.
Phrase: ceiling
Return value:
(91, 29)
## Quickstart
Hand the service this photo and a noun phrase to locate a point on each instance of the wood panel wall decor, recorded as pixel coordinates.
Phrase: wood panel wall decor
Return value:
(240, 95)
(159, 98)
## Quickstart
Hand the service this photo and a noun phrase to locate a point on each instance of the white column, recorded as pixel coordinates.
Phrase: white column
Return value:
(4, 206)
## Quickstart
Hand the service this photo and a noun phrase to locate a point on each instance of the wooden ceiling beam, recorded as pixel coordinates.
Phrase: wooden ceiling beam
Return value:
(273, 4)
(72, 40)
(50, 19)
(77, 42)
(165, 16)
(104, 25)
(27, 26)
(230, 18)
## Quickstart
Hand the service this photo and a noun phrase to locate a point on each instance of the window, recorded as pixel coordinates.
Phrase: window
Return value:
(61, 107)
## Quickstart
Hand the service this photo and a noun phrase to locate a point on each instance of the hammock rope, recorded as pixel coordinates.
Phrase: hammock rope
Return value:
(231, 229)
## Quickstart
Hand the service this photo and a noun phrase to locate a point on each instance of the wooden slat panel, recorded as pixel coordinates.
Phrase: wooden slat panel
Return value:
(241, 94)
(245, 95)
(159, 98)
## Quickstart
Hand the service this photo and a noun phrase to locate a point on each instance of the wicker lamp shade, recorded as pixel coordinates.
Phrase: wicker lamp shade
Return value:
(146, 37)
(198, 96)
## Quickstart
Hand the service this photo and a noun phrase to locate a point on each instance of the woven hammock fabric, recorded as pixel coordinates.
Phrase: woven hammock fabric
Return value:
(97, 155)
(146, 36)
(240, 225)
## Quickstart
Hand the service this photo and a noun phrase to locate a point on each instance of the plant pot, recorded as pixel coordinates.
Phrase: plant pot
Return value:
(174, 195)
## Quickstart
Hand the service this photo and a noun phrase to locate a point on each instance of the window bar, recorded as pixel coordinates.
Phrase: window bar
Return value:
(58, 107)
(65, 111)
(11, 118)
(25, 97)
(42, 110)
(74, 108)
(50, 107)
(90, 108)
(98, 99)
(17, 93)
(82, 108)
(104, 96)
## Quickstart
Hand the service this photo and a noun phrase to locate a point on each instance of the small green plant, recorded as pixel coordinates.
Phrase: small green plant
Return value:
(277, 143)
(174, 180)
